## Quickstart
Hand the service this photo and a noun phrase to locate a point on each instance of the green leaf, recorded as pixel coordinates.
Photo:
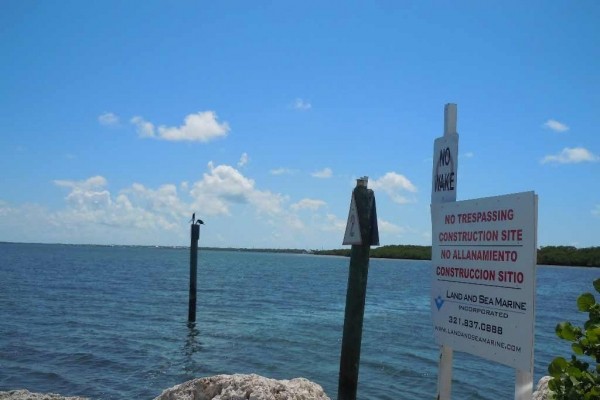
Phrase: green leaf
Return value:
(595, 391)
(597, 285)
(577, 349)
(591, 335)
(594, 313)
(574, 372)
(595, 328)
(589, 324)
(557, 367)
(566, 331)
(585, 301)
(554, 384)
(574, 380)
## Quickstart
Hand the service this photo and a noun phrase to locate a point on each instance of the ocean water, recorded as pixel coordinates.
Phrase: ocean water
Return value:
(111, 322)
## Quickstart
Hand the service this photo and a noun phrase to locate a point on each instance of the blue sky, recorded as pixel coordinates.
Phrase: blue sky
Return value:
(120, 119)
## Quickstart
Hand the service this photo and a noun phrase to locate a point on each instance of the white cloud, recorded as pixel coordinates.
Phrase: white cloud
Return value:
(468, 154)
(281, 171)
(224, 185)
(5, 208)
(139, 214)
(144, 128)
(392, 184)
(334, 224)
(596, 211)
(301, 105)
(149, 211)
(88, 184)
(200, 127)
(163, 202)
(267, 202)
(308, 204)
(389, 228)
(108, 119)
(323, 174)
(243, 160)
(571, 156)
(555, 126)
(221, 185)
(88, 202)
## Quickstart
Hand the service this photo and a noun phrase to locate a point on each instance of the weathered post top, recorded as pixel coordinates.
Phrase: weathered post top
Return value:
(362, 181)
(449, 119)
(195, 232)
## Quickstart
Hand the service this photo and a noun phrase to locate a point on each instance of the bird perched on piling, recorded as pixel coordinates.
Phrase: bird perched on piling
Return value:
(199, 222)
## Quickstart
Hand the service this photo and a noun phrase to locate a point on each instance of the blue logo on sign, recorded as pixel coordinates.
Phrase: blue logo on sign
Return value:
(439, 302)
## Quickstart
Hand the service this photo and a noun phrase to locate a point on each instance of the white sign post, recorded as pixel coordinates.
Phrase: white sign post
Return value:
(483, 290)
(443, 189)
(483, 281)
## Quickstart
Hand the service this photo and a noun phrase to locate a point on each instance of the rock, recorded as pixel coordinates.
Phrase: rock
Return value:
(244, 387)
(23, 394)
(542, 392)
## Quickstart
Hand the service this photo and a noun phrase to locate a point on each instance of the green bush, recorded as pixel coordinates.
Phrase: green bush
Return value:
(574, 379)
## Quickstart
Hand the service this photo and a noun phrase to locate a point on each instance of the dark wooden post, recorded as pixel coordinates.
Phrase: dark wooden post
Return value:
(363, 218)
(195, 233)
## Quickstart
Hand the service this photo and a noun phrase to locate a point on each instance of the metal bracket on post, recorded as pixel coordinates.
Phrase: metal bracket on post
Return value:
(361, 233)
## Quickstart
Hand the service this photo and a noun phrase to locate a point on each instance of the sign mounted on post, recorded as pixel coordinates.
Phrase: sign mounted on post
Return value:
(361, 233)
(483, 263)
(445, 167)
(483, 288)
(352, 235)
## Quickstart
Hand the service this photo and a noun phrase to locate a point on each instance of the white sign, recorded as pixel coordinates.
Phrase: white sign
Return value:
(352, 235)
(445, 167)
(483, 287)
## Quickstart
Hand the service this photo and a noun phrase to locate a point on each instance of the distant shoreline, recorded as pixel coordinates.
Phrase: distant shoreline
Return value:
(569, 256)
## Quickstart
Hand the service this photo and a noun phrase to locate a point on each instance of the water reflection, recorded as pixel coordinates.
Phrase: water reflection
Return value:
(191, 366)
(192, 342)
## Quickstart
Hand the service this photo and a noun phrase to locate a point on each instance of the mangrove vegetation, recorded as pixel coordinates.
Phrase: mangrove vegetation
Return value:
(547, 255)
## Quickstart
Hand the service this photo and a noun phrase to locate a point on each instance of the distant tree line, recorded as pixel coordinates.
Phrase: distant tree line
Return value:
(548, 255)
(569, 255)
(408, 252)
(257, 250)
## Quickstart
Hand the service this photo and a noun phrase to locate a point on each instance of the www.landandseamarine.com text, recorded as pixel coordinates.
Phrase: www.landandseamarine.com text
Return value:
(476, 338)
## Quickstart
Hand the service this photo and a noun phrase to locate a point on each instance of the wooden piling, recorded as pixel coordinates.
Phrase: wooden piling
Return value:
(364, 202)
(195, 234)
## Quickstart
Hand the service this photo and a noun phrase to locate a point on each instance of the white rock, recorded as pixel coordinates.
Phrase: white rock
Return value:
(542, 390)
(244, 387)
(23, 394)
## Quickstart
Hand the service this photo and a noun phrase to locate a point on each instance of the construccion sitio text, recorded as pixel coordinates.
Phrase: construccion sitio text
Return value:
(480, 274)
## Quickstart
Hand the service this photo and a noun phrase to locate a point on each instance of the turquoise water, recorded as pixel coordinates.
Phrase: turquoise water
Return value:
(111, 322)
